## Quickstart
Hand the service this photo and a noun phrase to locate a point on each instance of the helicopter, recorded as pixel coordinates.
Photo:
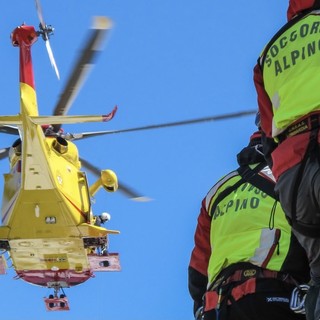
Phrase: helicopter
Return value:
(48, 228)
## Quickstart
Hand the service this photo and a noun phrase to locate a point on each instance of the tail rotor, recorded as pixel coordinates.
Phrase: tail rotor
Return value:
(45, 32)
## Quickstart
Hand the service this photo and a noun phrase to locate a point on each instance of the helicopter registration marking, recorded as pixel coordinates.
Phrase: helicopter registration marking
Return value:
(57, 259)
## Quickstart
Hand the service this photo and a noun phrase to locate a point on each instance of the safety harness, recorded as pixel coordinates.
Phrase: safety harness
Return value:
(237, 281)
(251, 176)
(240, 279)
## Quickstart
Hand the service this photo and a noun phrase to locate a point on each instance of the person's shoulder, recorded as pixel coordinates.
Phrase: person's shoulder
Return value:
(226, 181)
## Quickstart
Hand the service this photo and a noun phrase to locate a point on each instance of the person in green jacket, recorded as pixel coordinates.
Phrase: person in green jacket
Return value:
(246, 261)
(287, 82)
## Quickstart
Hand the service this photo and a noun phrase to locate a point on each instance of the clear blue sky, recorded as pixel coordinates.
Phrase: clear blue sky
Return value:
(165, 61)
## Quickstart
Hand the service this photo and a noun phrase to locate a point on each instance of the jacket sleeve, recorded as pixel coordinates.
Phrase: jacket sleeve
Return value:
(264, 103)
(266, 115)
(197, 271)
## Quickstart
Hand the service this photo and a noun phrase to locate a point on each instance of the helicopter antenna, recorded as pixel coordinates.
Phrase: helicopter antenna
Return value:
(45, 31)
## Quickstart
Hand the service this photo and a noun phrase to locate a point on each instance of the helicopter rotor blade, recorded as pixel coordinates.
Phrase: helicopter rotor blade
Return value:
(84, 63)
(52, 60)
(77, 136)
(9, 130)
(187, 122)
(127, 191)
(45, 31)
(40, 14)
(4, 153)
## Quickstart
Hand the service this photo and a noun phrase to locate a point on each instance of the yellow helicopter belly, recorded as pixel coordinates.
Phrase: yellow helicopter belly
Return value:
(49, 254)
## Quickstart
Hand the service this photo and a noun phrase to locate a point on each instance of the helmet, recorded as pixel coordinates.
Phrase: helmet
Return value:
(105, 216)
(296, 6)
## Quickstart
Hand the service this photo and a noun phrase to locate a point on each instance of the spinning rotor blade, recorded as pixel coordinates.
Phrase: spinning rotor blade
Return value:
(40, 15)
(185, 122)
(45, 31)
(77, 136)
(85, 61)
(129, 192)
(4, 153)
(53, 62)
(9, 130)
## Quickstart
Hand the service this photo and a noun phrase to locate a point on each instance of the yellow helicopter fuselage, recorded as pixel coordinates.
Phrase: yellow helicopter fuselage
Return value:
(47, 222)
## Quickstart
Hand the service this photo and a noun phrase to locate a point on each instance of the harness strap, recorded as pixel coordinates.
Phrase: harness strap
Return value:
(234, 284)
(263, 184)
(247, 175)
(213, 298)
(245, 288)
(303, 125)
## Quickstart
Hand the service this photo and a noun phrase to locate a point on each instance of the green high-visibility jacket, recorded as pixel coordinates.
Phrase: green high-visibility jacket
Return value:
(244, 228)
(291, 68)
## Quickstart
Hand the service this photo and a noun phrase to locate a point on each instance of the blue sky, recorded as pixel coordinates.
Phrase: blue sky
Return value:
(164, 61)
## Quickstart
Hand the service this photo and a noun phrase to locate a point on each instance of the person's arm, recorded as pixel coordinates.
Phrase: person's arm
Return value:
(197, 271)
(266, 115)
(264, 103)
